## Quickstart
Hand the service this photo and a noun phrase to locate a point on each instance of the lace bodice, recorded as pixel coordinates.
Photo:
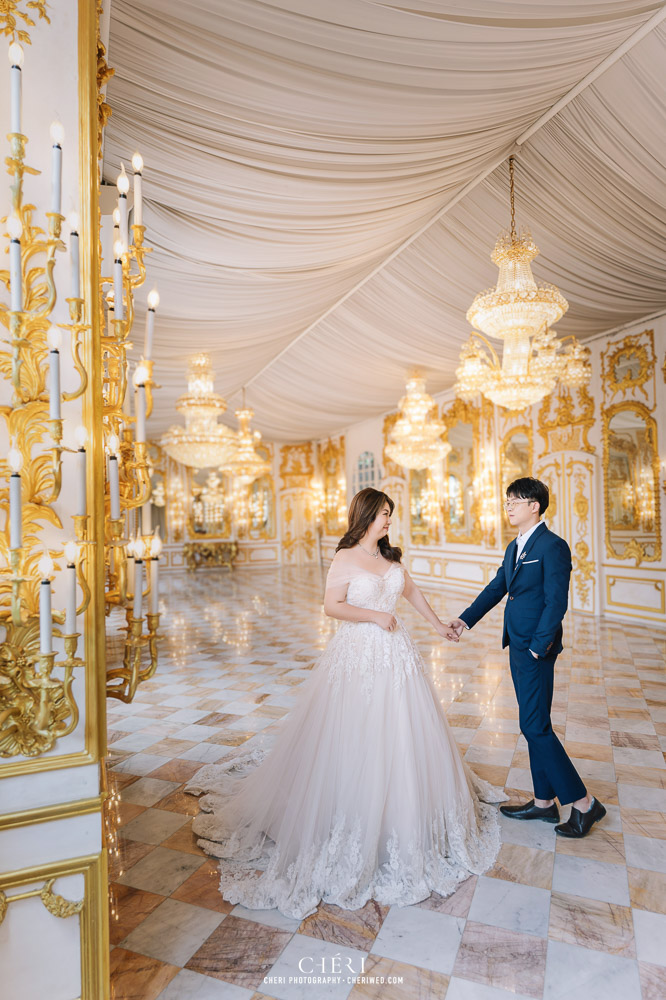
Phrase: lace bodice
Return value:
(380, 593)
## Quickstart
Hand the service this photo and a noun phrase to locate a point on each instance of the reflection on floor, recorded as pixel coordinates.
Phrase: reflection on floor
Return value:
(554, 918)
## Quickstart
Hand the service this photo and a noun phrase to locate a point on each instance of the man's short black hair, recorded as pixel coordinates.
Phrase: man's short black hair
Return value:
(529, 488)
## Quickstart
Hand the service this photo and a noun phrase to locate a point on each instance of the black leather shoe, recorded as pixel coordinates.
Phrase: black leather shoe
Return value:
(580, 823)
(529, 811)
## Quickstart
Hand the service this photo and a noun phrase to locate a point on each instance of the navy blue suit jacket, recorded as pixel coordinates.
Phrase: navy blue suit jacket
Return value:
(538, 589)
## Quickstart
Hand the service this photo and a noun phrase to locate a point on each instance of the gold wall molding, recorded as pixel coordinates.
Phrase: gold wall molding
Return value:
(46, 814)
(91, 909)
(628, 365)
(391, 469)
(564, 423)
(331, 462)
(658, 585)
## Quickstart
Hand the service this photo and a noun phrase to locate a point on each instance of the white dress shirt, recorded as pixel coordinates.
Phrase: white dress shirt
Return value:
(522, 539)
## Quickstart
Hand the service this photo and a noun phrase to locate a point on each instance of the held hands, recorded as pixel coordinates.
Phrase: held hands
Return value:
(454, 629)
(386, 621)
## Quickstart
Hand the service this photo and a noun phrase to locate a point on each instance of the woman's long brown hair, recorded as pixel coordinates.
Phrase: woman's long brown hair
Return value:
(363, 509)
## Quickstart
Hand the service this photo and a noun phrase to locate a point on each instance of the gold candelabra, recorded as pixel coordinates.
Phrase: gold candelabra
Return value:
(128, 483)
(37, 704)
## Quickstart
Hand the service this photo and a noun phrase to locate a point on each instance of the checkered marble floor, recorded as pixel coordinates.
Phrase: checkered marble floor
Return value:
(553, 919)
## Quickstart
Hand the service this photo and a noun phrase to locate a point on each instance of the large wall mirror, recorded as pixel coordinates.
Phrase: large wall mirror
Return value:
(631, 480)
(209, 514)
(461, 507)
(262, 503)
(515, 462)
(424, 504)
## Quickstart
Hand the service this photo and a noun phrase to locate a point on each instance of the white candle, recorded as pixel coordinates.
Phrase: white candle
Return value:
(16, 62)
(114, 487)
(57, 137)
(15, 282)
(137, 165)
(118, 304)
(54, 385)
(15, 515)
(45, 618)
(123, 233)
(154, 585)
(153, 302)
(116, 226)
(138, 586)
(123, 187)
(70, 600)
(140, 404)
(74, 256)
(80, 501)
(146, 519)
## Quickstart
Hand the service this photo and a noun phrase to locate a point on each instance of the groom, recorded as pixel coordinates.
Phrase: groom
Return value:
(535, 574)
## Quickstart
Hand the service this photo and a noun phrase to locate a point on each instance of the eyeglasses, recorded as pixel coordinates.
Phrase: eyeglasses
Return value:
(510, 504)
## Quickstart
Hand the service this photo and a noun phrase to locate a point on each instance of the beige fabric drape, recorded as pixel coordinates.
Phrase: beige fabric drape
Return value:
(290, 148)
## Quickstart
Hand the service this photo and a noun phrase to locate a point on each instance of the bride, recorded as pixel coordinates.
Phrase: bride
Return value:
(364, 794)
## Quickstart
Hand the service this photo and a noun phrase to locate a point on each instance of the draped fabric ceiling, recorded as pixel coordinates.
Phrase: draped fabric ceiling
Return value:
(300, 156)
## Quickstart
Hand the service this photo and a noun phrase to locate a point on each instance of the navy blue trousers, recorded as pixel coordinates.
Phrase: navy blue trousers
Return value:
(553, 774)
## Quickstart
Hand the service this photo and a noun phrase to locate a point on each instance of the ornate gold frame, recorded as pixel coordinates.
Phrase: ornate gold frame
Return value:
(630, 345)
(632, 549)
(464, 412)
(565, 429)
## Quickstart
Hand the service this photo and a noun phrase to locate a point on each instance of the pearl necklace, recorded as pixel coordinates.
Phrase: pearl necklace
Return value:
(375, 555)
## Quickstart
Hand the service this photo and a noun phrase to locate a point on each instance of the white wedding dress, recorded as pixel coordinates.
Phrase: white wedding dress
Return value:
(363, 795)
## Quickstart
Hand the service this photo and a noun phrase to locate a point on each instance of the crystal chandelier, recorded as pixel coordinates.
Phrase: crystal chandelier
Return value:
(245, 464)
(202, 443)
(416, 438)
(521, 313)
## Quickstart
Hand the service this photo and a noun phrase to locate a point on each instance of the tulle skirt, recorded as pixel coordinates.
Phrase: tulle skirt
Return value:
(363, 795)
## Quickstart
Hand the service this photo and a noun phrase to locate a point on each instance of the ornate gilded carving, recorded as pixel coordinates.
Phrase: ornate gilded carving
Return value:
(15, 12)
(565, 429)
(331, 461)
(197, 554)
(57, 905)
(516, 460)
(296, 465)
(104, 74)
(583, 566)
(629, 364)
(391, 469)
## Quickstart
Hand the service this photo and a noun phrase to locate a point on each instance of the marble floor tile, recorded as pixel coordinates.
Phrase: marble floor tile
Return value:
(241, 952)
(420, 937)
(126, 854)
(528, 834)
(502, 958)
(599, 845)
(184, 840)
(515, 907)
(161, 871)
(178, 771)
(572, 971)
(592, 924)
(153, 826)
(173, 931)
(644, 823)
(192, 986)
(640, 797)
(179, 801)
(647, 889)
(526, 865)
(271, 918)
(139, 764)
(401, 982)
(648, 777)
(457, 904)
(593, 879)
(210, 753)
(624, 755)
(650, 930)
(643, 852)
(136, 977)
(134, 741)
(354, 929)
(202, 888)
(466, 989)
(148, 791)
(653, 981)
(129, 907)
